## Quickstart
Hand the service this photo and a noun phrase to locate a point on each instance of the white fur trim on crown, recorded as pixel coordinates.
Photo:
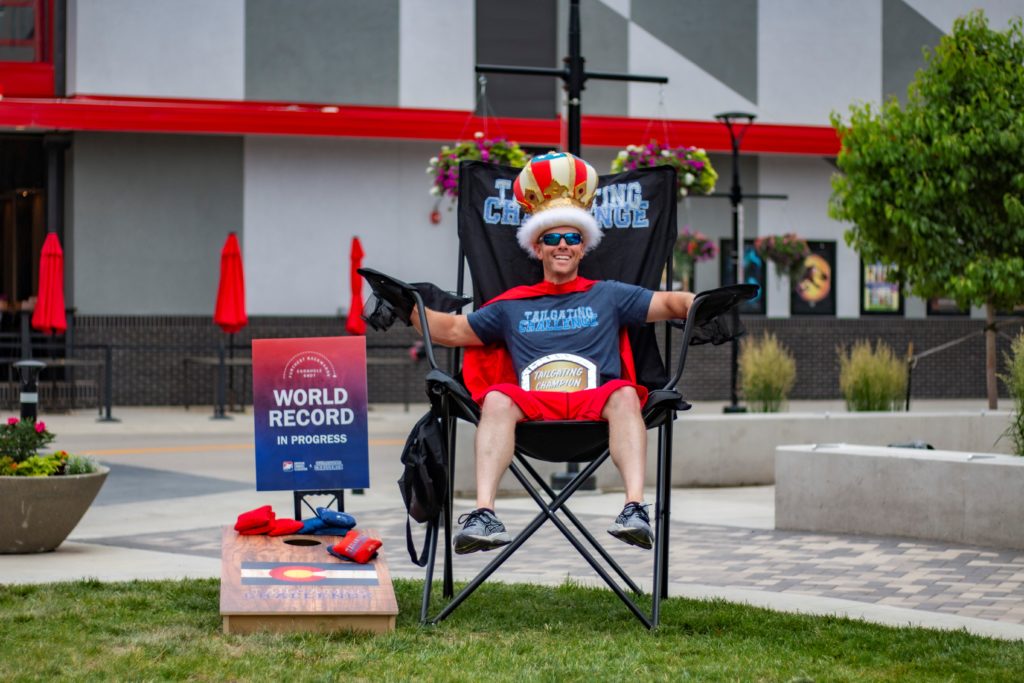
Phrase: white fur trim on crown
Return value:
(553, 218)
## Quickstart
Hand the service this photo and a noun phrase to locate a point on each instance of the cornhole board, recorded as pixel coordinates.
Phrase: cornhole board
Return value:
(290, 583)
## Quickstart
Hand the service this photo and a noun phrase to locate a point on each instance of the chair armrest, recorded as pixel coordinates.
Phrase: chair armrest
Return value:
(706, 322)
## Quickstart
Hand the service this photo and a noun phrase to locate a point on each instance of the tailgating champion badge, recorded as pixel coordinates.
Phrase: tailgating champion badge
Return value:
(559, 372)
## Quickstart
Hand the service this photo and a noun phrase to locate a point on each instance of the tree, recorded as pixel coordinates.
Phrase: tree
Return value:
(935, 187)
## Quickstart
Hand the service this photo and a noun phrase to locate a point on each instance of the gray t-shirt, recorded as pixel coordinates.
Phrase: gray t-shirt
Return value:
(584, 324)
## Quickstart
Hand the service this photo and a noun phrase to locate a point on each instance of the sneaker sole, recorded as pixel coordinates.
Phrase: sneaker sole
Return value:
(632, 536)
(471, 544)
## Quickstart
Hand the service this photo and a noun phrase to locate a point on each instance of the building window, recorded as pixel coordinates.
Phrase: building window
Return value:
(22, 31)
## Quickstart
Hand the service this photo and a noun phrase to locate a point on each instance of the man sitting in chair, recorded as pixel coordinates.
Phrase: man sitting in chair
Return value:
(563, 336)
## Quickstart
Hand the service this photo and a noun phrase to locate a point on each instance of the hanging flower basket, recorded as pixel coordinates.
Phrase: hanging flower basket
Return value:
(694, 172)
(691, 248)
(787, 252)
(444, 168)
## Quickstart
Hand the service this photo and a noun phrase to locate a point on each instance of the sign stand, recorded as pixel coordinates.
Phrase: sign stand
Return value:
(299, 498)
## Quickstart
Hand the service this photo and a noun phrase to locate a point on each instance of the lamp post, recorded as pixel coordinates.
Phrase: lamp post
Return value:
(737, 123)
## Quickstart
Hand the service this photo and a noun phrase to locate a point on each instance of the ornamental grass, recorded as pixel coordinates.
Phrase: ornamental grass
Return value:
(767, 373)
(872, 378)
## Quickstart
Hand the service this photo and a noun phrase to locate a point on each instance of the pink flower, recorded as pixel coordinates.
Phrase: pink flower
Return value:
(40, 427)
(12, 420)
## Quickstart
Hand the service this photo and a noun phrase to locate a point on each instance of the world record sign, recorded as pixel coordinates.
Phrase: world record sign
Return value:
(310, 413)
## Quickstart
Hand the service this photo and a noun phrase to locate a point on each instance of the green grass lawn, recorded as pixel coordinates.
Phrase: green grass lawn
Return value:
(171, 630)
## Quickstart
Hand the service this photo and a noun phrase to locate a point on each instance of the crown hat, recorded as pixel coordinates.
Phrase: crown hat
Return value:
(557, 189)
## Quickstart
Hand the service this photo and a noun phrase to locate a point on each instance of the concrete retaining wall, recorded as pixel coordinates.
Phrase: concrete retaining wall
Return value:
(953, 496)
(738, 450)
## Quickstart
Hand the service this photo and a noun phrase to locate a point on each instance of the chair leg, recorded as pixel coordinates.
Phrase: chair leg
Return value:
(549, 513)
(449, 582)
(660, 531)
(605, 555)
(665, 494)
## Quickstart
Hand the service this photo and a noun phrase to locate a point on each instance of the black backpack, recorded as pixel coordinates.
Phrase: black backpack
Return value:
(424, 480)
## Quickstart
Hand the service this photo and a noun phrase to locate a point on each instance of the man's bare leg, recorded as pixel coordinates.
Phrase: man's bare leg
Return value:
(495, 444)
(627, 440)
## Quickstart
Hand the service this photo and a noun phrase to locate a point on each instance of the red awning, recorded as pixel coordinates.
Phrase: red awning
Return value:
(230, 311)
(355, 323)
(49, 316)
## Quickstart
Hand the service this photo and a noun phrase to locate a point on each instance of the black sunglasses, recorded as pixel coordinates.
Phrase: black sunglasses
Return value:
(552, 239)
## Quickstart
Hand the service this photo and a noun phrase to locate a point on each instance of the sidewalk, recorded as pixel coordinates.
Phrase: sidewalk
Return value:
(178, 476)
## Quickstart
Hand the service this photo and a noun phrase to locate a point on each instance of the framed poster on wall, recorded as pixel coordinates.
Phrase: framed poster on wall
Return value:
(755, 272)
(814, 293)
(880, 291)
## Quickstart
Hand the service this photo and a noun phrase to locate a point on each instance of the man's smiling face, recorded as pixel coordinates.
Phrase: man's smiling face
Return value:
(562, 260)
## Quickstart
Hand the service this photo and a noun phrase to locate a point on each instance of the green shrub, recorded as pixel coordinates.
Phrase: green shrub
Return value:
(872, 379)
(767, 373)
(1014, 381)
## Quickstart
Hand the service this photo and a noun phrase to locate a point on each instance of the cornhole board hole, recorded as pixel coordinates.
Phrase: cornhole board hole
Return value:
(291, 583)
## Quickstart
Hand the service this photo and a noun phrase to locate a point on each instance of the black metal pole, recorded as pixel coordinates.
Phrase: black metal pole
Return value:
(574, 79)
(736, 254)
(736, 200)
(108, 384)
(218, 409)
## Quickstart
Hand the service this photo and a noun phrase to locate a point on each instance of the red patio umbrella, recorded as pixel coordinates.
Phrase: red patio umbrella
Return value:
(230, 312)
(49, 316)
(355, 323)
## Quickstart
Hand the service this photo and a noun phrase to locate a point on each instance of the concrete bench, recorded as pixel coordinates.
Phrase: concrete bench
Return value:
(962, 497)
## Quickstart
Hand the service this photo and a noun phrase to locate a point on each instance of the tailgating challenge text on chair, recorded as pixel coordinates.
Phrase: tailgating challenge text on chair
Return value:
(636, 211)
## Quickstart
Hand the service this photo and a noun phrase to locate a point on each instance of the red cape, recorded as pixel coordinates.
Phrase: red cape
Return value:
(485, 366)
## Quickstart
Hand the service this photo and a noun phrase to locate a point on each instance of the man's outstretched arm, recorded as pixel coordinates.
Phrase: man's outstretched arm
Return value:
(668, 306)
(447, 329)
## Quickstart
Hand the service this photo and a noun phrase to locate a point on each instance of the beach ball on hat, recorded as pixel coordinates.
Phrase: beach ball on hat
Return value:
(556, 189)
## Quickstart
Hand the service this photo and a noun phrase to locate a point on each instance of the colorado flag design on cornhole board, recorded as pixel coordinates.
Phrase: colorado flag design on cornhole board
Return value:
(291, 573)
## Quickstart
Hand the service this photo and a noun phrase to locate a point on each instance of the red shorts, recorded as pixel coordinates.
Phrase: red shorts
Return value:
(562, 405)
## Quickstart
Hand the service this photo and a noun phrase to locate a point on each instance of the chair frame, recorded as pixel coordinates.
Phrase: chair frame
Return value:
(451, 401)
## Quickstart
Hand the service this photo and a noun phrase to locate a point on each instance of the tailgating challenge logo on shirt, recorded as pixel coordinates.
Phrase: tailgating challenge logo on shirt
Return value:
(560, 319)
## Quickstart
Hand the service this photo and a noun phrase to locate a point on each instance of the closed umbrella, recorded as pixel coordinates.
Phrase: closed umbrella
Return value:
(230, 312)
(49, 316)
(355, 323)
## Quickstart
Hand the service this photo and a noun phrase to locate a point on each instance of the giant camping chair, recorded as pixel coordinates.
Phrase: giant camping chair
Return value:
(638, 210)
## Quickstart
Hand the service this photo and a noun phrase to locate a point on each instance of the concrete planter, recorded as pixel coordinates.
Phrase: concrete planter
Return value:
(957, 497)
(38, 513)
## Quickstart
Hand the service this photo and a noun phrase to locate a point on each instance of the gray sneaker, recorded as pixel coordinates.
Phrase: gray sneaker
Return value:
(633, 526)
(481, 530)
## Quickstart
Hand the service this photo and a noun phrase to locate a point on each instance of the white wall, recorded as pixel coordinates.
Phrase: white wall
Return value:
(306, 198)
(149, 48)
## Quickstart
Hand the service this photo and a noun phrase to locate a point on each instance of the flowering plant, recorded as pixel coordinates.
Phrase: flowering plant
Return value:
(445, 166)
(694, 172)
(691, 247)
(20, 443)
(786, 251)
(695, 246)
